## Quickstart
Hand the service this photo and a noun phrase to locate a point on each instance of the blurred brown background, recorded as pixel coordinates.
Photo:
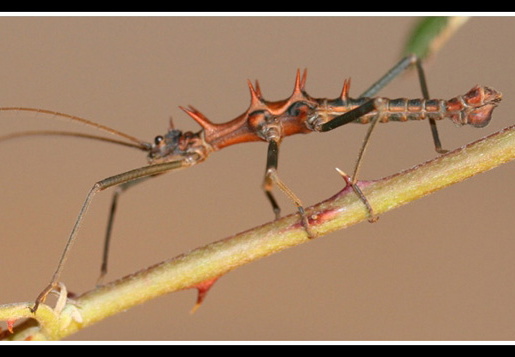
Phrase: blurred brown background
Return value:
(441, 268)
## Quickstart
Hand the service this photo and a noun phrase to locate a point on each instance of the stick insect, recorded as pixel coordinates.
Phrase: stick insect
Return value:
(270, 122)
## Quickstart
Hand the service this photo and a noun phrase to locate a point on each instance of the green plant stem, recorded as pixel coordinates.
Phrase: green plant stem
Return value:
(208, 263)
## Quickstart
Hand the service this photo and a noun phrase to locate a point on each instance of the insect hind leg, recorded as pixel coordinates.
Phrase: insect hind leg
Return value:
(396, 70)
(375, 104)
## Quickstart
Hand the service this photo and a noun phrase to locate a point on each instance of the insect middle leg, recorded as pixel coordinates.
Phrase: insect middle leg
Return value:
(271, 178)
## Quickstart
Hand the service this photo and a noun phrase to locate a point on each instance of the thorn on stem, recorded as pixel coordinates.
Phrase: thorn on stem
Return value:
(202, 288)
(348, 180)
(372, 218)
(10, 324)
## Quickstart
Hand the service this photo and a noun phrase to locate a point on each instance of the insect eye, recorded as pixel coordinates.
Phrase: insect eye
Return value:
(158, 139)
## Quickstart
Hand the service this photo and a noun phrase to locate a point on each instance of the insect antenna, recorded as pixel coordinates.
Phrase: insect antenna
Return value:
(73, 134)
(137, 142)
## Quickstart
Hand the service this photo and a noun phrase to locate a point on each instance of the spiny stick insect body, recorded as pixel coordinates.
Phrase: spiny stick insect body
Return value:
(270, 122)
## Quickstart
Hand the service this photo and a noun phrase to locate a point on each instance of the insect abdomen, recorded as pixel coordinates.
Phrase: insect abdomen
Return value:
(403, 109)
(473, 108)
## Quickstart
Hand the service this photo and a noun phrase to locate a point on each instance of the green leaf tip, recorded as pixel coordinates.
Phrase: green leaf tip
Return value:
(430, 34)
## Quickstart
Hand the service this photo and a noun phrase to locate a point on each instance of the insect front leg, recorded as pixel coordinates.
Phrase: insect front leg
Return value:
(114, 204)
(271, 178)
(132, 175)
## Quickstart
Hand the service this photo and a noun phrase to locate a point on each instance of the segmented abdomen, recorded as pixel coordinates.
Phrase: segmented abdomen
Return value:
(403, 109)
(473, 108)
